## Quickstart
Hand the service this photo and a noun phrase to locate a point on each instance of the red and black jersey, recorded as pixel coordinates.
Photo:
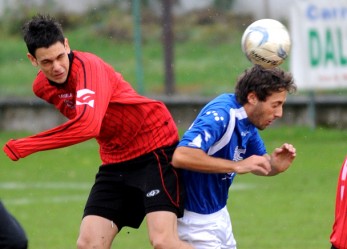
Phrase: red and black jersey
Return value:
(100, 104)
(338, 237)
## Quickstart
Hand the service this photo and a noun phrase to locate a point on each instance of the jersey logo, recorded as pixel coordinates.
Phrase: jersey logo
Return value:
(85, 97)
(228, 176)
(207, 136)
(153, 192)
(237, 154)
(216, 116)
(244, 133)
(196, 141)
(68, 99)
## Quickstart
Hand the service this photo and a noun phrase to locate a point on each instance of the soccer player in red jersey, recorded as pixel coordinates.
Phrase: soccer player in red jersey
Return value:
(338, 237)
(136, 136)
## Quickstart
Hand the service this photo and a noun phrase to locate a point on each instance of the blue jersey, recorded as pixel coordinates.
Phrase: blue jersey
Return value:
(222, 130)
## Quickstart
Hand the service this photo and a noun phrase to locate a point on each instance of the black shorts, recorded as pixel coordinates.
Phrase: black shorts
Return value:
(125, 192)
(333, 247)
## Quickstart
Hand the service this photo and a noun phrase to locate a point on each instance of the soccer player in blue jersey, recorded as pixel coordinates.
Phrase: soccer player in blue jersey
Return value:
(223, 141)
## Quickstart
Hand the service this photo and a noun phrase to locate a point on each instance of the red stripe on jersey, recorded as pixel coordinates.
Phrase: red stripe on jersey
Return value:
(338, 236)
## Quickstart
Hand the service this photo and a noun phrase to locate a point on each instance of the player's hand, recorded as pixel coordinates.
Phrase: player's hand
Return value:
(10, 151)
(282, 158)
(258, 165)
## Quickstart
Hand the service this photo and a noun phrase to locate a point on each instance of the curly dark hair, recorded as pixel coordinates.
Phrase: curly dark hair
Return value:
(263, 82)
(42, 31)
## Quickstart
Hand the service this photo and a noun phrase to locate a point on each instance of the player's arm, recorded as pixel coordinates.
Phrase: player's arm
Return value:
(91, 104)
(197, 160)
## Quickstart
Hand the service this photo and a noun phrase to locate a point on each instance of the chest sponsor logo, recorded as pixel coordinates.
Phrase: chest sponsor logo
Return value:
(237, 153)
(68, 99)
(65, 96)
(85, 97)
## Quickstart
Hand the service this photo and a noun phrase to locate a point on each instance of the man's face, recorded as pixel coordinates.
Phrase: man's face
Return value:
(265, 112)
(53, 61)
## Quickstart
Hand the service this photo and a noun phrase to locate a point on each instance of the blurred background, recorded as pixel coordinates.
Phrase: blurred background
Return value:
(181, 52)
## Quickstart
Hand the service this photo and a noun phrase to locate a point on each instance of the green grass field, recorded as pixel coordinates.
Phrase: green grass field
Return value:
(47, 191)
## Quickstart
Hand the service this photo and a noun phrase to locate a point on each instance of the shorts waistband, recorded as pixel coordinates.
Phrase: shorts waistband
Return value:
(139, 160)
(206, 217)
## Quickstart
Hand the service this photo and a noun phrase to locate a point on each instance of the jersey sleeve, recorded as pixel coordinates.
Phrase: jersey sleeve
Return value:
(207, 129)
(93, 92)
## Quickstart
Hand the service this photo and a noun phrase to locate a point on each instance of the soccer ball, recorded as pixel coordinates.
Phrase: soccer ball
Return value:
(266, 42)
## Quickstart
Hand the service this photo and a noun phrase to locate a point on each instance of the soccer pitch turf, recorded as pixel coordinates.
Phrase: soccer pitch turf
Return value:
(46, 192)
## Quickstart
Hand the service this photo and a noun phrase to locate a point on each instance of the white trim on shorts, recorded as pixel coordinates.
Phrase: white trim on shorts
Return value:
(207, 231)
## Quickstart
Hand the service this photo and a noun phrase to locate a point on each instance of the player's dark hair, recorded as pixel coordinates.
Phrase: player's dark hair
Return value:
(42, 31)
(263, 82)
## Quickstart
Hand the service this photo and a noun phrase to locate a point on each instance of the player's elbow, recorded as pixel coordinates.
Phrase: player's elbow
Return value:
(94, 132)
(89, 132)
(177, 159)
(182, 157)
(91, 129)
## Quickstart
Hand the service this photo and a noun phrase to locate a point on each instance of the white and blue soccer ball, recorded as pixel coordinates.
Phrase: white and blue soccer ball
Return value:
(266, 42)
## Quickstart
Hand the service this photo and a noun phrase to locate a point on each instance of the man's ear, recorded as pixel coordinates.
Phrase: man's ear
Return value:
(252, 98)
(32, 59)
(67, 46)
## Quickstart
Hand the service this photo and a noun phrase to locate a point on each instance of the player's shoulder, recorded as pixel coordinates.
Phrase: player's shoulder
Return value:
(89, 60)
(225, 99)
(223, 103)
(84, 57)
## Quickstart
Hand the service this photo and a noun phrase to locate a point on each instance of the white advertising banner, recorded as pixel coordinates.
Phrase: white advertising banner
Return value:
(318, 59)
